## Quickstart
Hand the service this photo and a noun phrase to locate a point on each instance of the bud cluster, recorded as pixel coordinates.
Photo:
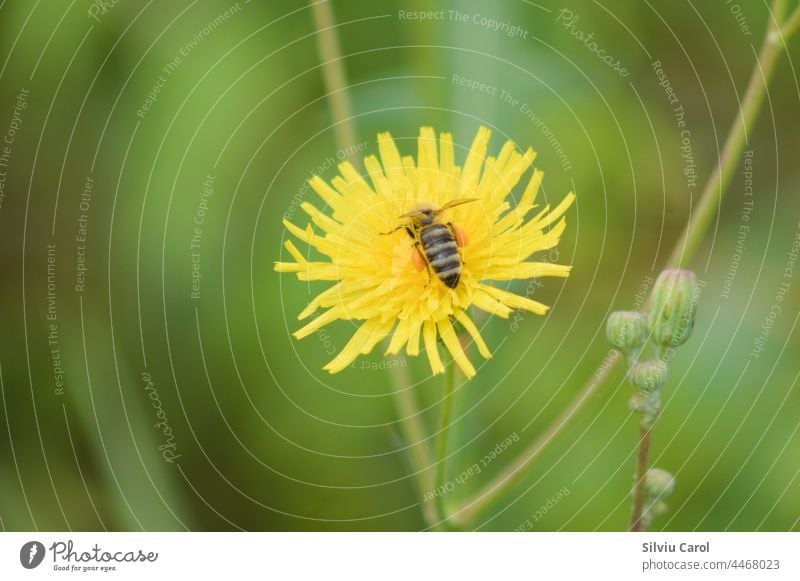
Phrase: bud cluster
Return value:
(666, 322)
(658, 485)
(626, 330)
(648, 377)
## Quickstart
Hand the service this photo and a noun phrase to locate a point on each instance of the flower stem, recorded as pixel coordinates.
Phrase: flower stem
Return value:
(333, 73)
(442, 440)
(716, 186)
(792, 25)
(495, 488)
(684, 250)
(405, 403)
(414, 435)
(637, 524)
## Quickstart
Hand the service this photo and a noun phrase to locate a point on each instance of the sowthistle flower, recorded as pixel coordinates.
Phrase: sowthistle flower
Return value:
(377, 279)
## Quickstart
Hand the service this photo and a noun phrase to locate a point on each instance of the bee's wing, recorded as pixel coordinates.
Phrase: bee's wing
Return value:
(453, 203)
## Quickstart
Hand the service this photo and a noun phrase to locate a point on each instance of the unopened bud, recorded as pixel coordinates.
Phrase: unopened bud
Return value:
(657, 509)
(649, 376)
(659, 483)
(637, 403)
(672, 307)
(626, 330)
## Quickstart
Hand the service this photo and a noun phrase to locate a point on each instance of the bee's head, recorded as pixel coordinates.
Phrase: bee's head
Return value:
(423, 213)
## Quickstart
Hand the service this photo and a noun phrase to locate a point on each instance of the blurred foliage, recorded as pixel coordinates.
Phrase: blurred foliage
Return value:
(266, 439)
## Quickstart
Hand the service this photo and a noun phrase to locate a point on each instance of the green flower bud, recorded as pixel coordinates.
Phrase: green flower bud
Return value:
(648, 406)
(649, 376)
(672, 307)
(626, 330)
(657, 509)
(637, 403)
(659, 483)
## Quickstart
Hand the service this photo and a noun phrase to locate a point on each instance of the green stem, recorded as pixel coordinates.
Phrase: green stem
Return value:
(637, 523)
(333, 73)
(792, 25)
(716, 186)
(683, 251)
(442, 440)
(413, 432)
(777, 10)
(405, 403)
(467, 511)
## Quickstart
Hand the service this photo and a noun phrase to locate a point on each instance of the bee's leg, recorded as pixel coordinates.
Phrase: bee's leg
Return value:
(419, 261)
(430, 278)
(393, 230)
(416, 258)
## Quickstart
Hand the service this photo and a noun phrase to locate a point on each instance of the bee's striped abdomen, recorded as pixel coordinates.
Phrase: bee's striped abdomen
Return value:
(441, 253)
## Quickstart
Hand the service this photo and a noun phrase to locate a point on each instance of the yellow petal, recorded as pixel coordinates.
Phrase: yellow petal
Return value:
(469, 325)
(327, 317)
(379, 181)
(472, 168)
(413, 338)
(431, 349)
(505, 154)
(324, 191)
(325, 222)
(525, 270)
(351, 349)
(392, 164)
(529, 195)
(510, 176)
(489, 179)
(453, 345)
(556, 213)
(399, 337)
(378, 331)
(427, 155)
(515, 301)
(487, 303)
(446, 153)
(291, 266)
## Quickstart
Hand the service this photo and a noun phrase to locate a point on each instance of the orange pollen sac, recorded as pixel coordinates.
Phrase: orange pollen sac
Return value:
(462, 238)
(417, 260)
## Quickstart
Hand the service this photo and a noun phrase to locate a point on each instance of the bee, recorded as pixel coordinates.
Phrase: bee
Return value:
(436, 243)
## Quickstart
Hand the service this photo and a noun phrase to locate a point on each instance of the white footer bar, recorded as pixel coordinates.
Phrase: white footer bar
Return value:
(356, 556)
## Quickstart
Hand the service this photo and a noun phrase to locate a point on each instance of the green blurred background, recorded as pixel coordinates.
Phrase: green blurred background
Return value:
(259, 436)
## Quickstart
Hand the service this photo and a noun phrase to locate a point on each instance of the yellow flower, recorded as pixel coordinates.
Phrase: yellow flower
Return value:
(377, 282)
